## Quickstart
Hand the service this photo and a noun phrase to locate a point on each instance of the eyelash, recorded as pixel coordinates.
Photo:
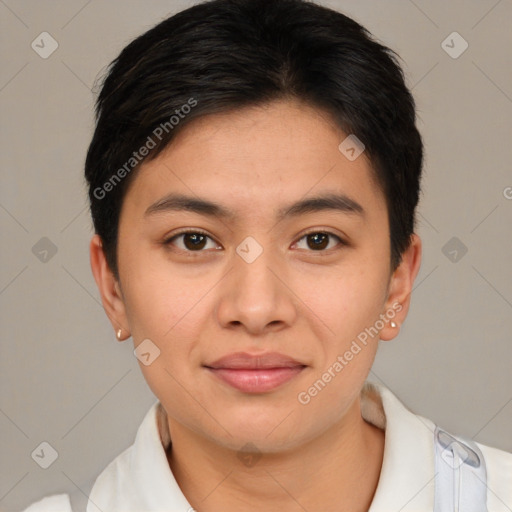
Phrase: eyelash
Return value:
(169, 240)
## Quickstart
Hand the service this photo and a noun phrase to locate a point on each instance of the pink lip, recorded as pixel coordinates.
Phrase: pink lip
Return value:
(255, 373)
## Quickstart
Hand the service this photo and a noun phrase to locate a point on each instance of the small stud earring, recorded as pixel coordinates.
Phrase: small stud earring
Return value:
(119, 334)
(393, 324)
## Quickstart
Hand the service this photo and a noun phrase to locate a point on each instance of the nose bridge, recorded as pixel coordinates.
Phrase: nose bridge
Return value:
(256, 296)
(253, 266)
(254, 274)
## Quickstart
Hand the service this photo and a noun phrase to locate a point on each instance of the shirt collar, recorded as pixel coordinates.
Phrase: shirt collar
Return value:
(140, 477)
(406, 481)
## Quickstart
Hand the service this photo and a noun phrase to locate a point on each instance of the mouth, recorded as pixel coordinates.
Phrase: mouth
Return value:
(255, 373)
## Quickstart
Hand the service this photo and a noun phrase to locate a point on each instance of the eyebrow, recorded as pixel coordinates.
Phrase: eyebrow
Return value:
(179, 202)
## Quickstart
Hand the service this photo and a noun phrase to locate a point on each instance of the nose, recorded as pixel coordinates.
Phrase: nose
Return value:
(256, 297)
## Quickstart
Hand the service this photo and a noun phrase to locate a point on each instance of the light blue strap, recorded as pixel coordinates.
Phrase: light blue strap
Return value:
(461, 477)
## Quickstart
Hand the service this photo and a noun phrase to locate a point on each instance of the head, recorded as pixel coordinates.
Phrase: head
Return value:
(282, 137)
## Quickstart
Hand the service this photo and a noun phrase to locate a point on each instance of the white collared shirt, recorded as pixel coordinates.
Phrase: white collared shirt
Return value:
(140, 479)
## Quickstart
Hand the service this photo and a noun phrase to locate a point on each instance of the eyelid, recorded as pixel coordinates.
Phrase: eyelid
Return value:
(188, 230)
(327, 231)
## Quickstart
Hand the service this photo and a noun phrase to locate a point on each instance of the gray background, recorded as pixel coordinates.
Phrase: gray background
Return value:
(65, 379)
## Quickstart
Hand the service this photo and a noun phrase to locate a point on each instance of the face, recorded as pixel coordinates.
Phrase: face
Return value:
(255, 276)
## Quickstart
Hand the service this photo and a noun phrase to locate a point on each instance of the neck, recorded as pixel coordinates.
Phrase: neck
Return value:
(338, 470)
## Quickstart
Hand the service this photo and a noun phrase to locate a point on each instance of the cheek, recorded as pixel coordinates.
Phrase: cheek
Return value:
(161, 301)
(346, 300)
(349, 306)
(163, 307)
(167, 315)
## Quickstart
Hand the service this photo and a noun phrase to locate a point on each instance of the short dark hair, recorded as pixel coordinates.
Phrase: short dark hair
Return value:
(223, 55)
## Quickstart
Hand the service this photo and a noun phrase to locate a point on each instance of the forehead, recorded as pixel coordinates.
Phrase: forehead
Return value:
(258, 160)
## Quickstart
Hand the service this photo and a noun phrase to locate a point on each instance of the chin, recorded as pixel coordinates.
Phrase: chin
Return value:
(268, 432)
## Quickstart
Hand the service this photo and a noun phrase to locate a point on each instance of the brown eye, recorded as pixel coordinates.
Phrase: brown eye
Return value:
(194, 241)
(319, 240)
(191, 241)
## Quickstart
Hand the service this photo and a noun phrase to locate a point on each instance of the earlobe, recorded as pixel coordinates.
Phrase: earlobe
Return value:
(121, 336)
(400, 289)
(109, 289)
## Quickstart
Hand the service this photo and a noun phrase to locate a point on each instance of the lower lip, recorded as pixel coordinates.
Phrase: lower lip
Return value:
(256, 381)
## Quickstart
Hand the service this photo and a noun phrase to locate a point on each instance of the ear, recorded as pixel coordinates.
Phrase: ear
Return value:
(400, 288)
(111, 295)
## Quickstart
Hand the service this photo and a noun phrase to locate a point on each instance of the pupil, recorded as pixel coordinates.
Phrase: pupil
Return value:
(316, 237)
(196, 240)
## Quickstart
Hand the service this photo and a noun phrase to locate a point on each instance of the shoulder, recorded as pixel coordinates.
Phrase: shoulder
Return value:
(408, 442)
(53, 503)
(499, 477)
(120, 478)
(496, 459)
(76, 501)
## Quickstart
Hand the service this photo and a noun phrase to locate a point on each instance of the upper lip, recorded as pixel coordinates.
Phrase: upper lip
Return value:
(243, 360)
